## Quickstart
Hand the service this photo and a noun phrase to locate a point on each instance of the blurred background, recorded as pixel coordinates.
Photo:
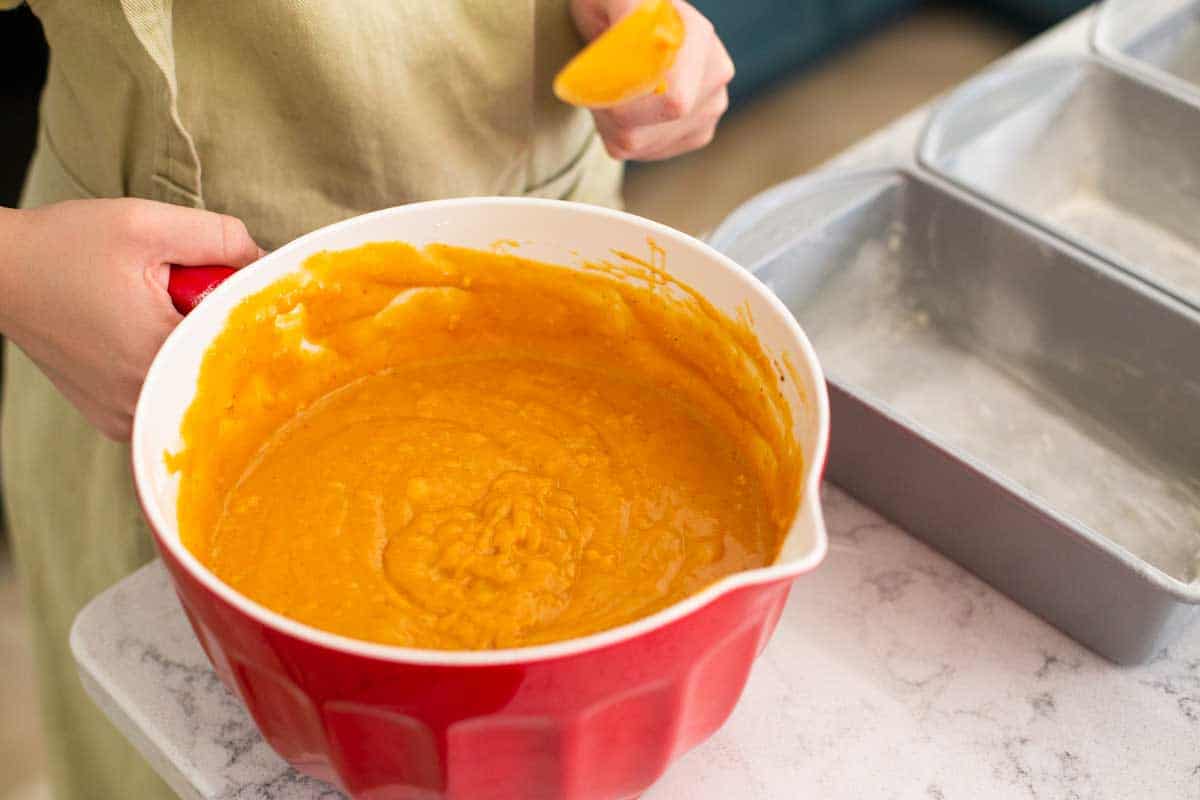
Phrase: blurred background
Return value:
(814, 76)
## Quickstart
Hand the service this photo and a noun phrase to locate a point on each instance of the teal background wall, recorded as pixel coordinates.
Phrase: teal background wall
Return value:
(771, 38)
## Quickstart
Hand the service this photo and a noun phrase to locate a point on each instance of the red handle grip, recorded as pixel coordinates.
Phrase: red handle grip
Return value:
(189, 285)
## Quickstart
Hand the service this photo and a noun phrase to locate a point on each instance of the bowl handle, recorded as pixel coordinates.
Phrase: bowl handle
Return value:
(189, 285)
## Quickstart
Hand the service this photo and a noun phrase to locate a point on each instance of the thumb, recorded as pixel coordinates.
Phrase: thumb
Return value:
(195, 237)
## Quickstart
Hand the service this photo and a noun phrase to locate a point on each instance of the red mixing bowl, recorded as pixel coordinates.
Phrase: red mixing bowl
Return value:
(596, 717)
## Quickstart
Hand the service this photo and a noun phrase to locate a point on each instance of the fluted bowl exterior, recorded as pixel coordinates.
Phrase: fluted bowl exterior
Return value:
(602, 723)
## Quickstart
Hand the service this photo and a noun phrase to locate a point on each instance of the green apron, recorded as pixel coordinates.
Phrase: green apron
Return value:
(289, 114)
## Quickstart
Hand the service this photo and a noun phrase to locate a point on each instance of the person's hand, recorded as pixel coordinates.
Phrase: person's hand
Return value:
(683, 118)
(83, 291)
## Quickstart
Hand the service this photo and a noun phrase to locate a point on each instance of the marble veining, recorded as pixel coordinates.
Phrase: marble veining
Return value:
(893, 673)
(287, 783)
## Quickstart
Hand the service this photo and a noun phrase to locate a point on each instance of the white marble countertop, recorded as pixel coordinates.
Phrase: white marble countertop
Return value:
(893, 674)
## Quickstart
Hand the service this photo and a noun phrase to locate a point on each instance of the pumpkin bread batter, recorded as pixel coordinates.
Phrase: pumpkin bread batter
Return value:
(458, 449)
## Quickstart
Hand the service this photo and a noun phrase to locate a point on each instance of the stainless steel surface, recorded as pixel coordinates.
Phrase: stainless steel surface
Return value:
(1024, 407)
(1095, 156)
(1156, 40)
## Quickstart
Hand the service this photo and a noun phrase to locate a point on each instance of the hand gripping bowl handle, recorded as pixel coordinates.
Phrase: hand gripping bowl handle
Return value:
(187, 286)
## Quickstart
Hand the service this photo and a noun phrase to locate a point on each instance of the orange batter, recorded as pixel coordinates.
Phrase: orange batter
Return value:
(454, 449)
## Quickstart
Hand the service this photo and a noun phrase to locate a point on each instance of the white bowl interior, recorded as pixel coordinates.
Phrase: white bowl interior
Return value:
(562, 233)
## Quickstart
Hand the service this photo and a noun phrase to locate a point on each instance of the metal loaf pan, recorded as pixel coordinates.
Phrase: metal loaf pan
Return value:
(1086, 152)
(1156, 40)
(1022, 406)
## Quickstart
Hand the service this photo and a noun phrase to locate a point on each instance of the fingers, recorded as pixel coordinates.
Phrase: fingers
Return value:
(668, 139)
(685, 116)
(690, 79)
(195, 237)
